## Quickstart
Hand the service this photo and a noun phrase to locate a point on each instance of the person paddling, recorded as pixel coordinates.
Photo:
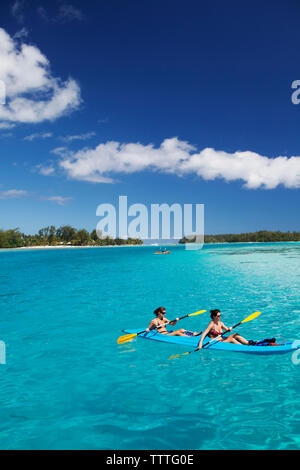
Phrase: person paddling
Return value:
(162, 320)
(216, 327)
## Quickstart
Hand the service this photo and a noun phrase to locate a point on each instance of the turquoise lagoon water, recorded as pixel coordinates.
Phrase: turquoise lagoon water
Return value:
(68, 385)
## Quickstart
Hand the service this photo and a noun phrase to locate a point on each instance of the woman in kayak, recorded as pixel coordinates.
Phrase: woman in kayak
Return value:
(216, 327)
(162, 320)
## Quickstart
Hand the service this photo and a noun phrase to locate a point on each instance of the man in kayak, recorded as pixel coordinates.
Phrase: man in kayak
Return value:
(160, 321)
(216, 327)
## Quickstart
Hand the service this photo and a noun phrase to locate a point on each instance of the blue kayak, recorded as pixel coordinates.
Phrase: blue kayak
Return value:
(191, 342)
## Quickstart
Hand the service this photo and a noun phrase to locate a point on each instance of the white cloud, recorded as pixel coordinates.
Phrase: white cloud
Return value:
(23, 33)
(60, 200)
(33, 94)
(59, 151)
(7, 125)
(41, 135)
(68, 12)
(70, 138)
(45, 170)
(98, 165)
(13, 194)
(17, 10)
(65, 14)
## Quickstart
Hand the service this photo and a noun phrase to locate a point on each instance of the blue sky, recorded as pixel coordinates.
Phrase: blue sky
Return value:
(164, 80)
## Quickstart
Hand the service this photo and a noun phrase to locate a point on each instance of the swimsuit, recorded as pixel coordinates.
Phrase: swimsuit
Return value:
(188, 333)
(159, 328)
(215, 333)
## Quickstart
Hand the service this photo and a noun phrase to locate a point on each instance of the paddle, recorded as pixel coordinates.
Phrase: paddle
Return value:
(126, 338)
(251, 317)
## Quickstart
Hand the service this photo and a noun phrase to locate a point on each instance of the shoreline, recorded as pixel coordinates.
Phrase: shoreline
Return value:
(61, 247)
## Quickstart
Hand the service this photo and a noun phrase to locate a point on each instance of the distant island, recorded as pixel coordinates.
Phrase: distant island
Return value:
(62, 236)
(69, 236)
(261, 236)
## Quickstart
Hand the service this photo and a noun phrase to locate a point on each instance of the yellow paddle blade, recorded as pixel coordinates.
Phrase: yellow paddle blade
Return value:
(196, 313)
(251, 317)
(126, 338)
(179, 355)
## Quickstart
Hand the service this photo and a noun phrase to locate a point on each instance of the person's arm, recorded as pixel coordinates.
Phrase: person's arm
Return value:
(204, 334)
(151, 326)
(172, 322)
(225, 328)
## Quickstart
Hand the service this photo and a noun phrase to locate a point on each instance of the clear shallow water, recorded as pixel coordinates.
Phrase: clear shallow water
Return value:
(68, 385)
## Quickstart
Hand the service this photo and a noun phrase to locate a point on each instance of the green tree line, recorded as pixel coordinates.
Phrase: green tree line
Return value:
(260, 236)
(65, 235)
